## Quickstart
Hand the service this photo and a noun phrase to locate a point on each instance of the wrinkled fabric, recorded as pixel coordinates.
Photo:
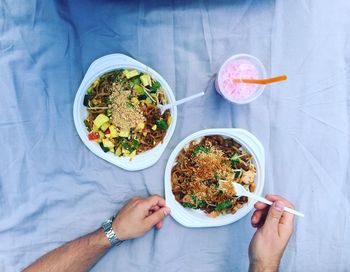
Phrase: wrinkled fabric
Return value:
(53, 189)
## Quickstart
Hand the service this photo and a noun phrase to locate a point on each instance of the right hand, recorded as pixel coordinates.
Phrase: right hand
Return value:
(274, 229)
(139, 215)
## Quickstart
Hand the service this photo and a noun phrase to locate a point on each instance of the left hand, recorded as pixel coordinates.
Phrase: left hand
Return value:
(139, 215)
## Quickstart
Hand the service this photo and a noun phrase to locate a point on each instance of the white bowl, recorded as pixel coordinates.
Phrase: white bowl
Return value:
(197, 218)
(97, 69)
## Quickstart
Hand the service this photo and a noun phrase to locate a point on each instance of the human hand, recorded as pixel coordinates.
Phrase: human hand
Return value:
(274, 229)
(139, 215)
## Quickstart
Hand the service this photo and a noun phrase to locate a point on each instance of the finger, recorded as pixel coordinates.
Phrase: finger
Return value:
(287, 218)
(154, 200)
(153, 209)
(260, 206)
(258, 217)
(159, 225)
(273, 216)
(274, 198)
(156, 217)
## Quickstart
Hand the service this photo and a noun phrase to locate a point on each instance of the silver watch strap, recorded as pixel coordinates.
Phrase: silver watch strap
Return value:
(111, 235)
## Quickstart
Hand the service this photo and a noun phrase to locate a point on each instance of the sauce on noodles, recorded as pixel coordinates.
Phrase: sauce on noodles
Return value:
(199, 168)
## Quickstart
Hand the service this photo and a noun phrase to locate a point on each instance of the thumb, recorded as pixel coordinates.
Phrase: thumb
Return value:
(274, 215)
(157, 216)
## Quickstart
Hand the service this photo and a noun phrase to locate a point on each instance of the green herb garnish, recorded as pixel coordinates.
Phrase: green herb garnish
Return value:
(238, 174)
(235, 159)
(217, 177)
(155, 87)
(109, 112)
(136, 143)
(187, 205)
(198, 203)
(136, 81)
(129, 104)
(128, 147)
(199, 149)
(223, 205)
(161, 124)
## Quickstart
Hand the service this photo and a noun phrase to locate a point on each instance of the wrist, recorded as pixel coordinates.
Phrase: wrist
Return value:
(98, 238)
(263, 266)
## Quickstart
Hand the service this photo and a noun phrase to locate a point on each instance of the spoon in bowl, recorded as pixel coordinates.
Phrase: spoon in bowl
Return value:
(163, 108)
(241, 191)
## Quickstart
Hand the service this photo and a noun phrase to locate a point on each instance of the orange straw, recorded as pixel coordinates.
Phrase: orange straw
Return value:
(261, 81)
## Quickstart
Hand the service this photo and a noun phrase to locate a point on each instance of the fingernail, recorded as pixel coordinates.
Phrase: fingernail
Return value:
(166, 211)
(279, 206)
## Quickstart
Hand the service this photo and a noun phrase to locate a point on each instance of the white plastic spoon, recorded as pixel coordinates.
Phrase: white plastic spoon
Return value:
(163, 108)
(241, 191)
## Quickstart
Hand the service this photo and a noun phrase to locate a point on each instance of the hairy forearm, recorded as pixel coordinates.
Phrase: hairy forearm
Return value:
(78, 255)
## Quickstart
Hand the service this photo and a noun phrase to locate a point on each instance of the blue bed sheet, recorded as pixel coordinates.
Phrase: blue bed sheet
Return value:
(53, 189)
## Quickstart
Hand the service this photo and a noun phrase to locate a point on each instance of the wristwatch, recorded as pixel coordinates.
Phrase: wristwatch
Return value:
(112, 237)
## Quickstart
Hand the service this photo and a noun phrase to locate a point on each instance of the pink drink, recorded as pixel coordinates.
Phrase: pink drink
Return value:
(240, 67)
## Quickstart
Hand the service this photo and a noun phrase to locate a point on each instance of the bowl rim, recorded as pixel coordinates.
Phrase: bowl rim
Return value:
(97, 69)
(193, 218)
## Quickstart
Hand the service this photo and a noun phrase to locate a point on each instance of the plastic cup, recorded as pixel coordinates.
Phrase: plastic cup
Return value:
(241, 66)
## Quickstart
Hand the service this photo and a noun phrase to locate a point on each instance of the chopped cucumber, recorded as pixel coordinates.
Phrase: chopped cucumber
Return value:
(100, 120)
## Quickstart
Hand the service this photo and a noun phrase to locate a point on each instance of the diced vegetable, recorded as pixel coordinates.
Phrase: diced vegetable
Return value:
(100, 120)
(154, 127)
(155, 87)
(95, 128)
(161, 124)
(96, 82)
(136, 143)
(107, 143)
(87, 124)
(93, 136)
(109, 112)
(140, 126)
(145, 79)
(90, 89)
(142, 97)
(223, 205)
(127, 147)
(134, 101)
(199, 149)
(105, 126)
(124, 133)
(132, 154)
(102, 135)
(113, 130)
(132, 73)
(139, 90)
(87, 97)
(118, 151)
(105, 149)
(169, 120)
